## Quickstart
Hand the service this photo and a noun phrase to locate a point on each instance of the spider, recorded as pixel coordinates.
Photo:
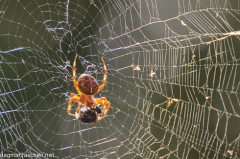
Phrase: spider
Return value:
(87, 86)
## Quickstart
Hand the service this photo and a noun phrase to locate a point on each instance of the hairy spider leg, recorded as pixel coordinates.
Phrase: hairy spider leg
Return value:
(74, 76)
(104, 77)
(76, 99)
(106, 104)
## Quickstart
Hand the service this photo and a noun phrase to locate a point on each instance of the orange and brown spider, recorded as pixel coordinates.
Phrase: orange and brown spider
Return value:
(87, 86)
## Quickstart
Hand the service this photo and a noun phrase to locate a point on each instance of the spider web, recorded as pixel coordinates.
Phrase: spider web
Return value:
(173, 77)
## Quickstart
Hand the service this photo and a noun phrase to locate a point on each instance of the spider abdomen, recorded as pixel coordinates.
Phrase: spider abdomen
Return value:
(87, 84)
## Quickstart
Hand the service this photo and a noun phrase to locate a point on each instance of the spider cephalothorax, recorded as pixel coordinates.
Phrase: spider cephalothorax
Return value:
(87, 86)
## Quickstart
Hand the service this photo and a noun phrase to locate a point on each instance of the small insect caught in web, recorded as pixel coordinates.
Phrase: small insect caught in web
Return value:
(170, 101)
(152, 74)
(230, 152)
(183, 23)
(136, 68)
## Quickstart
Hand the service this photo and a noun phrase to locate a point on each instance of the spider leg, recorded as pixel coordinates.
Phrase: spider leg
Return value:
(76, 99)
(74, 76)
(104, 77)
(106, 104)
